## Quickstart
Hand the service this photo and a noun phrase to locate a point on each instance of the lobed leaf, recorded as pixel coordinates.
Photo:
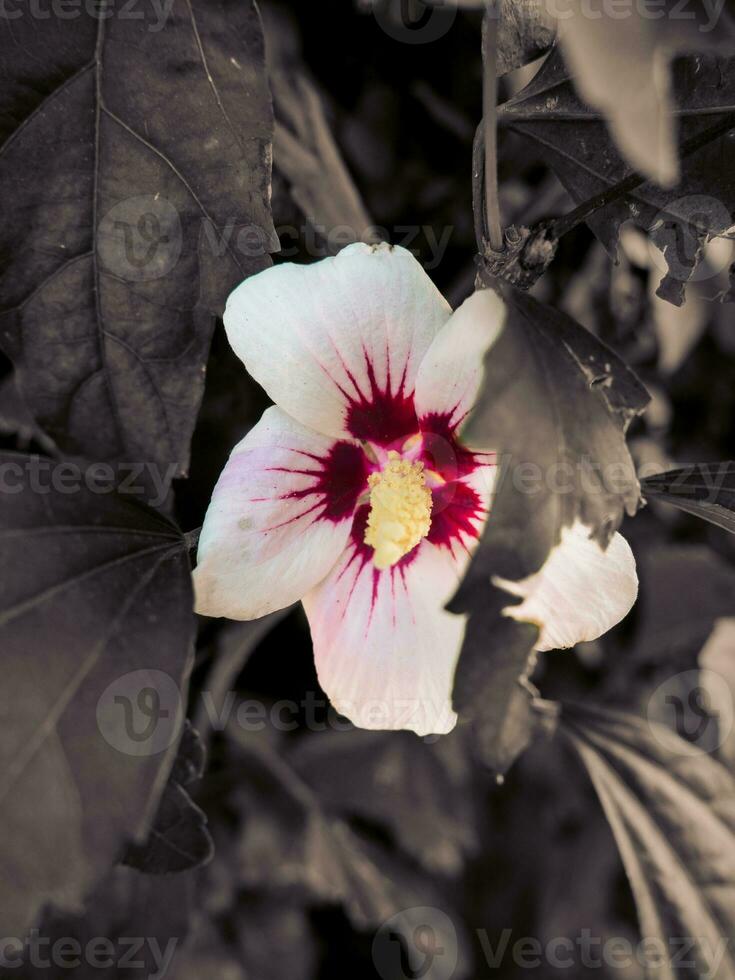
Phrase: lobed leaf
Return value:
(96, 637)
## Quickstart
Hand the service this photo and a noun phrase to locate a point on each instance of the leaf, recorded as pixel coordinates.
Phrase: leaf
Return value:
(554, 402)
(672, 811)
(120, 245)
(96, 635)
(576, 144)
(706, 490)
(179, 839)
(621, 66)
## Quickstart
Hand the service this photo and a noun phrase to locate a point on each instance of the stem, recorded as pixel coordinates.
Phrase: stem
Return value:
(490, 123)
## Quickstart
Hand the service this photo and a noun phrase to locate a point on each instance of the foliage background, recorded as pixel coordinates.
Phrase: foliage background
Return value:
(320, 835)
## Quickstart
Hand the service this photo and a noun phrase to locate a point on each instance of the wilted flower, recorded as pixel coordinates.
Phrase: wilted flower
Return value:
(355, 494)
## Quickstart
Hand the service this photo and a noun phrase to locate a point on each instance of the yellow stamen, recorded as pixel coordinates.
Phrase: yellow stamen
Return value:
(400, 510)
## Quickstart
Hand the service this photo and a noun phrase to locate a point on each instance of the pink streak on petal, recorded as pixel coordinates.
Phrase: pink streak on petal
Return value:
(336, 481)
(341, 480)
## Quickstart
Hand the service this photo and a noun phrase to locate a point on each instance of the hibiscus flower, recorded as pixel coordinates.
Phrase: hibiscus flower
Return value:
(355, 493)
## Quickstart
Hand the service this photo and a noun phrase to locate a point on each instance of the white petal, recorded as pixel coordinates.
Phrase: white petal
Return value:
(276, 523)
(384, 646)
(336, 334)
(580, 593)
(450, 374)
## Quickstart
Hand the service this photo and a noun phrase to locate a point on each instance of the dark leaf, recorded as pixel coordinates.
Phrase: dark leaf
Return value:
(135, 175)
(576, 144)
(555, 400)
(179, 839)
(671, 808)
(706, 490)
(96, 639)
